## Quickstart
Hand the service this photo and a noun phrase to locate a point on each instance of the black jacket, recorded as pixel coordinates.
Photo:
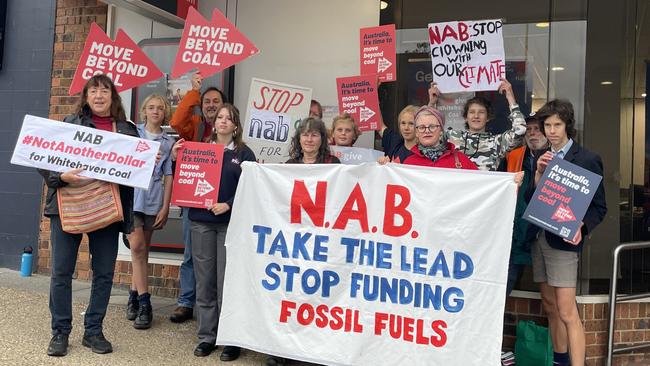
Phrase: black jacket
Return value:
(598, 207)
(53, 179)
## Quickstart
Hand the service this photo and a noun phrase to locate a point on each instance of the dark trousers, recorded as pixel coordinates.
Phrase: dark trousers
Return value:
(65, 246)
(209, 257)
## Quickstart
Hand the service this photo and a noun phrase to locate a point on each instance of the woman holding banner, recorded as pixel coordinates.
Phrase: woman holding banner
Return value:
(345, 131)
(208, 229)
(485, 149)
(393, 143)
(100, 107)
(432, 148)
(151, 208)
(309, 144)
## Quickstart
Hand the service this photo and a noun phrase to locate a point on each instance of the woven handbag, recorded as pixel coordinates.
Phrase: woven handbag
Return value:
(93, 206)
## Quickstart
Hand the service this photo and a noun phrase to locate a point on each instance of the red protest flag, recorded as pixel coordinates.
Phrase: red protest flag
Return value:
(377, 47)
(121, 60)
(357, 96)
(198, 175)
(210, 46)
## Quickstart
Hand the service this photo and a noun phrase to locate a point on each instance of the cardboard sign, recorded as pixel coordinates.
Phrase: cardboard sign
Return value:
(121, 60)
(358, 97)
(272, 112)
(366, 265)
(355, 155)
(467, 55)
(198, 174)
(562, 197)
(210, 46)
(378, 52)
(60, 147)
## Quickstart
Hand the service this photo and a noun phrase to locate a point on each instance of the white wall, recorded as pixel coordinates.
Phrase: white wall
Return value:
(306, 43)
(139, 27)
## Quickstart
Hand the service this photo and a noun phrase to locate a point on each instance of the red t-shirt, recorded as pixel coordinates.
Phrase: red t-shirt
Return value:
(103, 123)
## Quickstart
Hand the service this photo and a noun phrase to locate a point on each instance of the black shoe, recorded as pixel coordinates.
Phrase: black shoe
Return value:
(276, 361)
(145, 315)
(230, 353)
(97, 343)
(58, 345)
(132, 309)
(181, 314)
(204, 349)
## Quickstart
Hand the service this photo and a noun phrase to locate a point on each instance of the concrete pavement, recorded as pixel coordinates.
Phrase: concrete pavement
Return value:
(25, 330)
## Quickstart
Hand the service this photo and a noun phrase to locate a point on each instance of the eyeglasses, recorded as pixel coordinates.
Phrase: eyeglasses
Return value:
(431, 128)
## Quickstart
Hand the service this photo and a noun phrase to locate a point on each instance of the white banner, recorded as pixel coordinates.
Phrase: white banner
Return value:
(355, 155)
(368, 264)
(58, 146)
(467, 55)
(272, 112)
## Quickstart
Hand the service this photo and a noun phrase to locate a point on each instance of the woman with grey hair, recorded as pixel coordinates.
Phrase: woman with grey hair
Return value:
(309, 144)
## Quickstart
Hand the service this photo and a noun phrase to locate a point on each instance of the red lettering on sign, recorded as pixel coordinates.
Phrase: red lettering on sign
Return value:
(349, 213)
(391, 210)
(301, 200)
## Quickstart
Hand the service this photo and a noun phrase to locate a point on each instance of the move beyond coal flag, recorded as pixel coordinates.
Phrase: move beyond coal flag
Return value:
(378, 52)
(121, 60)
(210, 46)
(368, 265)
(198, 175)
(358, 97)
(562, 197)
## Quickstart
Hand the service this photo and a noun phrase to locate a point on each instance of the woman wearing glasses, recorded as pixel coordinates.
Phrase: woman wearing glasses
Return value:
(485, 148)
(432, 148)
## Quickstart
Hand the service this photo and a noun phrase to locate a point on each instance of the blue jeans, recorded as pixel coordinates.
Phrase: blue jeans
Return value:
(102, 244)
(187, 297)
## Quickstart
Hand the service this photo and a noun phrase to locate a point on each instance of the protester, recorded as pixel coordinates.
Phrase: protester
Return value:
(309, 144)
(555, 260)
(395, 144)
(345, 131)
(208, 228)
(484, 148)
(315, 109)
(524, 159)
(150, 208)
(99, 107)
(192, 125)
(432, 148)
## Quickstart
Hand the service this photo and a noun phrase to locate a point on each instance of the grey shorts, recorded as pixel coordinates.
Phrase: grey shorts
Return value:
(558, 268)
(144, 221)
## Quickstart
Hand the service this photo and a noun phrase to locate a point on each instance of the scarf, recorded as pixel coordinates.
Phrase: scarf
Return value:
(434, 152)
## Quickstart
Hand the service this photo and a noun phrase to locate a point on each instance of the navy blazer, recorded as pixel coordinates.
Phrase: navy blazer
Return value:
(597, 208)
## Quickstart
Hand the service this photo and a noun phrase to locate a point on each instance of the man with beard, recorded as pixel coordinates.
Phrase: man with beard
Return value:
(524, 159)
(194, 121)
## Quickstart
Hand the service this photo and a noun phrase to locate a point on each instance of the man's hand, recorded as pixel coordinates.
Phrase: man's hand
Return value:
(506, 88)
(577, 238)
(197, 80)
(161, 218)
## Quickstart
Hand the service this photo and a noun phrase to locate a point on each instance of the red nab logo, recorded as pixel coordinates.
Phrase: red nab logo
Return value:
(563, 213)
(121, 60)
(142, 146)
(210, 46)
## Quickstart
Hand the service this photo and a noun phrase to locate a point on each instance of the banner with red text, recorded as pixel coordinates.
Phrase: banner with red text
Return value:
(467, 55)
(210, 46)
(108, 156)
(197, 175)
(368, 264)
(121, 60)
(358, 97)
(272, 112)
(378, 52)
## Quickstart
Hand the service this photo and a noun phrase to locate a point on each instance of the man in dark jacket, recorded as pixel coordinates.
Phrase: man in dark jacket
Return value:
(555, 260)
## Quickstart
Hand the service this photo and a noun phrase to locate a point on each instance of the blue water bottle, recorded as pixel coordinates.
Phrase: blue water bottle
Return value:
(26, 263)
